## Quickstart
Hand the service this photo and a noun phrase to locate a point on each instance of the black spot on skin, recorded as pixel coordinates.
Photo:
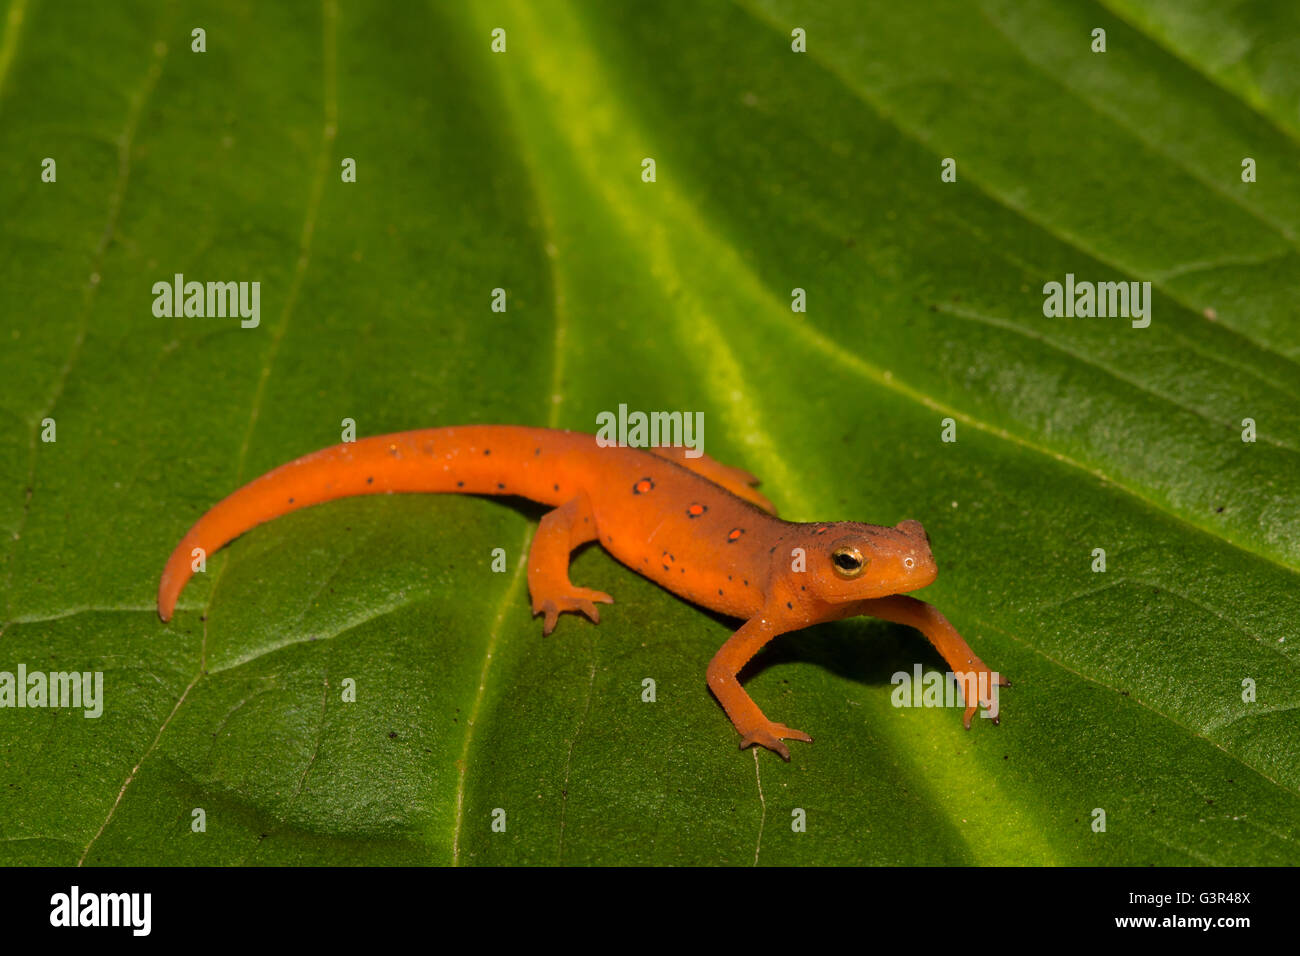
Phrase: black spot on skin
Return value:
(500, 486)
(772, 550)
(728, 577)
(719, 591)
(556, 487)
(803, 587)
(487, 451)
(536, 452)
(290, 501)
(789, 605)
(370, 480)
(666, 568)
(746, 584)
(460, 484)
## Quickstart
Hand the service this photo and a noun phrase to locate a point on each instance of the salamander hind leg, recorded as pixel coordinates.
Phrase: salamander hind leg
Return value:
(739, 482)
(552, 592)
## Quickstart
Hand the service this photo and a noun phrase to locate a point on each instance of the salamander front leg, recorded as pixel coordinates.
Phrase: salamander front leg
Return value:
(753, 726)
(559, 533)
(926, 618)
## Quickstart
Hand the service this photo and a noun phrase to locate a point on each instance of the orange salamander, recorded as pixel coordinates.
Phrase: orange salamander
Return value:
(695, 526)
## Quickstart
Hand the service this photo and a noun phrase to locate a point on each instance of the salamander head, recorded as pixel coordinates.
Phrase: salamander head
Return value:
(852, 562)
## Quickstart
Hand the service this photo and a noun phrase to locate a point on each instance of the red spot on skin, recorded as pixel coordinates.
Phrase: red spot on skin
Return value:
(644, 486)
(694, 511)
(735, 534)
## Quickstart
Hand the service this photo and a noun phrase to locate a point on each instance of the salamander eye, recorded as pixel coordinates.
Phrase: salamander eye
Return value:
(848, 562)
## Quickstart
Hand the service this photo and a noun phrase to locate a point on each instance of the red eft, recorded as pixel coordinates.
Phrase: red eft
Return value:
(695, 526)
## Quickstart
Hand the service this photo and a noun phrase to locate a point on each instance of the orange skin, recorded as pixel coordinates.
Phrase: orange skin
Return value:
(693, 525)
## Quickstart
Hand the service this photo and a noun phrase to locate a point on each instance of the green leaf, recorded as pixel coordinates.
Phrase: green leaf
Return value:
(775, 170)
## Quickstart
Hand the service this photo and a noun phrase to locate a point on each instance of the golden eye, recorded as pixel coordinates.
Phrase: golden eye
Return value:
(848, 562)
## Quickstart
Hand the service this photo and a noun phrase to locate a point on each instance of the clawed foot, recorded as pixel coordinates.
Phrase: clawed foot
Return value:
(987, 679)
(574, 599)
(770, 736)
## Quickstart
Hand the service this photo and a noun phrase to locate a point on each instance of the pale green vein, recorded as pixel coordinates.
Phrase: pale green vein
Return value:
(372, 615)
(1215, 81)
(1199, 734)
(125, 142)
(1222, 262)
(329, 131)
(136, 769)
(330, 9)
(508, 599)
(306, 770)
(1100, 108)
(560, 317)
(568, 757)
(13, 29)
(1006, 325)
(991, 192)
(1032, 272)
(1271, 645)
(74, 611)
(1253, 714)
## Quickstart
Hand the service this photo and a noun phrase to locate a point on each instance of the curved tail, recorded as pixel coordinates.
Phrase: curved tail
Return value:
(427, 460)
